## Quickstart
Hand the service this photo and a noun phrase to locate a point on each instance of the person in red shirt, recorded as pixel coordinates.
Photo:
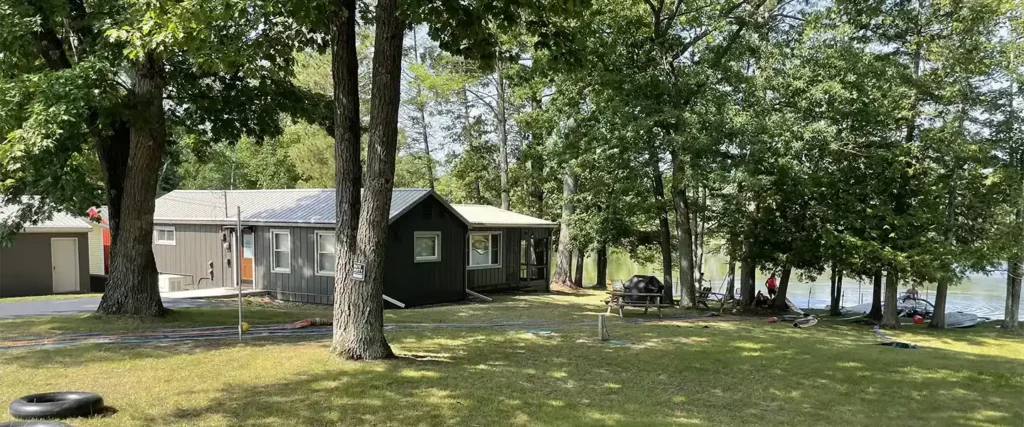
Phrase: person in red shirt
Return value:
(773, 287)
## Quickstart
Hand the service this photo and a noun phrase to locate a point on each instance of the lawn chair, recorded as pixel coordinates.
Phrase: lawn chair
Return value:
(705, 296)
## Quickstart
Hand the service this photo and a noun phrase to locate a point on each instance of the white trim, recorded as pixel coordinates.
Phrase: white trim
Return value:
(490, 248)
(78, 267)
(56, 230)
(393, 301)
(273, 251)
(316, 248)
(437, 246)
(156, 235)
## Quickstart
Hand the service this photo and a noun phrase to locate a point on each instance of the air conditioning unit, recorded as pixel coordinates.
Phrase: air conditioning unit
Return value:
(172, 283)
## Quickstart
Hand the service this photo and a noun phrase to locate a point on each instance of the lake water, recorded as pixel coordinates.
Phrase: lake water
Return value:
(979, 294)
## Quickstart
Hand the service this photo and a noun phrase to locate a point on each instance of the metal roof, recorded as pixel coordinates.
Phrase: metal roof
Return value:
(292, 206)
(59, 222)
(490, 216)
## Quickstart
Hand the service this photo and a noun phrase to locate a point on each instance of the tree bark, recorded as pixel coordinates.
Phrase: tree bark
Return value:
(684, 234)
(563, 262)
(837, 292)
(664, 231)
(730, 280)
(876, 297)
(347, 163)
(891, 311)
(502, 139)
(780, 298)
(602, 267)
(132, 287)
(1011, 313)
(748, 271)
(578, 279)
(361, 334)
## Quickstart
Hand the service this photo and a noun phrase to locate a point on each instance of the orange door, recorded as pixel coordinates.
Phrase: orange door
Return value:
(247, 255)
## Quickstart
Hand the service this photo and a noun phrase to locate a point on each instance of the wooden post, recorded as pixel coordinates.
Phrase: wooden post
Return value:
(602, 327)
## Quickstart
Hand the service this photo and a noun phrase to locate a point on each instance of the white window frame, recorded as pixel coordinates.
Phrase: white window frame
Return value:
(490, 241)
(273, 251)
(156, 235)
(316, 248)
(437, 246)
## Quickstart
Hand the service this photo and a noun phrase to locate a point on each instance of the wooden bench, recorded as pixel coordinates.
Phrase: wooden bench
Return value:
(646, 301)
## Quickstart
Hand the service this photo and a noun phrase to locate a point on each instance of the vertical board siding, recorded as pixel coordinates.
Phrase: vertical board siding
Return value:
(405, 280)
(505, 277)
(26, 267)
(421, 283)
(302, 284)
(195, 246)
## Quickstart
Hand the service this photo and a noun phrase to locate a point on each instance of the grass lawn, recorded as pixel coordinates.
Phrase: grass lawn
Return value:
(706, 372)
(50, 297)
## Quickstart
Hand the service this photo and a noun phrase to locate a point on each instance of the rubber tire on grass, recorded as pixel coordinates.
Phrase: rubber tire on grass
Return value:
(34, 423)
(56, 405)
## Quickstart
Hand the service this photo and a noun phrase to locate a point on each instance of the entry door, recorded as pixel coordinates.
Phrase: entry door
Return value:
(64, 260)
(247, 255)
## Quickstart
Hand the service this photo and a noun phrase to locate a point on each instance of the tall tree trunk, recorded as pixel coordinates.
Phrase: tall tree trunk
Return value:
(684, 234)
(730, 279)
(132, 288)
(891, 311)
(563, 262)
(421, 109)
(665, 233)
(780, 298)
(1011, 313)
(502, 119)
(361, 335)
(578, 279)
(836, 296)
(602, 267)
(348, 167)
(876, 296)
(748, 271)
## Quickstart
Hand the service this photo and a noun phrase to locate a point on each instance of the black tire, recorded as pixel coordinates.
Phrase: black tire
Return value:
(56, 405)
(34, 423)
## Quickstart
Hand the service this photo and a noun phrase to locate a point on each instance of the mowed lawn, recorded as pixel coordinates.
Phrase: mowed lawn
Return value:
(712, 372)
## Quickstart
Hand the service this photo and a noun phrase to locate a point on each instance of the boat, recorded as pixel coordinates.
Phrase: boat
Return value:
(916, 306)
(962, 320)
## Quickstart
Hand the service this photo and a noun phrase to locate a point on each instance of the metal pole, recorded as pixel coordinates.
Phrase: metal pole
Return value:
(809, 295)
(238, 267)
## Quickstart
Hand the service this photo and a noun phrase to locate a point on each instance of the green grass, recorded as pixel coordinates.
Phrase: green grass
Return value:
(50, 297)
(704, 372)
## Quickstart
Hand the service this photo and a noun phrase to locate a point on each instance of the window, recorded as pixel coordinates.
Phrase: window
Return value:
(485, 249)
(325, 255)
(164, 236)
(281, 262)
(427, 246)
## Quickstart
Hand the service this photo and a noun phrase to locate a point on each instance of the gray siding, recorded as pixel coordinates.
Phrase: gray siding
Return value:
(404, 280)
(505, 277)
(26, 268)
(195, 247)
(301, 284)
(421, 283)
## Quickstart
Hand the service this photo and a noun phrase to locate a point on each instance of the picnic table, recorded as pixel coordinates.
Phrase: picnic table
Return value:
(646, 301)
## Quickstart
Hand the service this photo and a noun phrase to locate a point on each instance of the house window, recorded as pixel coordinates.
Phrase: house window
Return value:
(485, 249)
(325, 255)
(164, 236)
(281, 262)
(427, 246)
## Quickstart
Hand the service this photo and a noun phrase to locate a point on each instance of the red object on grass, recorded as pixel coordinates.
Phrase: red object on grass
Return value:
(918, 319)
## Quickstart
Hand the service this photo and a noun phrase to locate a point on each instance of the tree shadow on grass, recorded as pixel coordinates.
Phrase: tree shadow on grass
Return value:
(751, 376)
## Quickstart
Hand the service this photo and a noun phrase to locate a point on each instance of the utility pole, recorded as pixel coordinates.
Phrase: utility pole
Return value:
(238, 266)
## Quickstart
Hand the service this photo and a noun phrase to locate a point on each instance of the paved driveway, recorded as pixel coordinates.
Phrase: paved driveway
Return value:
(9, 310)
